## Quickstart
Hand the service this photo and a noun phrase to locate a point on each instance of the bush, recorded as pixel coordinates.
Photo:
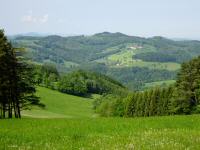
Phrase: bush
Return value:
(110, 105)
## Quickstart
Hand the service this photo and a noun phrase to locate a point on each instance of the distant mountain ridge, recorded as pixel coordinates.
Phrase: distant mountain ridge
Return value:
(110, 53)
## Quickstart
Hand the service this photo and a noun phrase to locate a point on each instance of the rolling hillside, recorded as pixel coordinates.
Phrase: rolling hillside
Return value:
(131, 60)
(59, 105)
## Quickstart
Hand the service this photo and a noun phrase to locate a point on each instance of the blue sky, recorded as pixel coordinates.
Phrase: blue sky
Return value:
(169, 18)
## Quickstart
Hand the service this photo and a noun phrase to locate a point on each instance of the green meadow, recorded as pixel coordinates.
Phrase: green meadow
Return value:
(59, 105)
(73, 125)
(167, 133)
(99, 75)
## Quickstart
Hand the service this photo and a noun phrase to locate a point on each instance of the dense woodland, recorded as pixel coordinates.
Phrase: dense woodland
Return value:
(79, 49)
(132, 77)
(80, 83)
(164, 56)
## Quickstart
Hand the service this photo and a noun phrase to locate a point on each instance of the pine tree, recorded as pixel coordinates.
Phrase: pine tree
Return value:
(138, 97)
(154, 102)
(142, 103)
(16, 81)
(188, 85)
(130, 105)
(5, 76)
(147, 102)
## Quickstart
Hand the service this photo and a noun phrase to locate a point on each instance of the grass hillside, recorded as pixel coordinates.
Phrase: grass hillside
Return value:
(161, 133)
(59, 105)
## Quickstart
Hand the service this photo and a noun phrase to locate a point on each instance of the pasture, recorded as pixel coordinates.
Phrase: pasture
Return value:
(175, 132)
(72, 124)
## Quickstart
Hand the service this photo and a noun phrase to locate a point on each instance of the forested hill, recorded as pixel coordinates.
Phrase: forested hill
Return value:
(132, 60)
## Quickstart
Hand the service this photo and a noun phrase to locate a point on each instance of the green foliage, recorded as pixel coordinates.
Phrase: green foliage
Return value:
(16, 81)
(89, 48)
(46, 75)
(188, 87)
(164, 83)
(113, 50)
(109, 105)
(135, 77)
(73, 84)
(82, 83)
(143, 103)
(182, 98)
(154, 102)
(164, 56)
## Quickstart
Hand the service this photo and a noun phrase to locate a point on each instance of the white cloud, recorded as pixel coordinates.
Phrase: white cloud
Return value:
(30, 18)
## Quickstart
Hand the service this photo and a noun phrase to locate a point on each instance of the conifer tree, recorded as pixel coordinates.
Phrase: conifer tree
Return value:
(188, 85)
(130, 105)
(146, 104)
(16, 81)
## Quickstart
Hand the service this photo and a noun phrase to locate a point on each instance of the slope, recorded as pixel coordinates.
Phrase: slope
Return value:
(59, 105)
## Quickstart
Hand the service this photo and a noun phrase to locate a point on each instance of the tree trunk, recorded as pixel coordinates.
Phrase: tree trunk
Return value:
(18, 110)
(4, 111)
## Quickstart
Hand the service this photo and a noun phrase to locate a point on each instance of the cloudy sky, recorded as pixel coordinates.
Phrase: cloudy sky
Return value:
(170, 18)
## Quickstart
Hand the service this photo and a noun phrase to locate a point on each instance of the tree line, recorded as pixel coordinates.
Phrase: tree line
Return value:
(132, 77)
(79, 82)
(181, 98)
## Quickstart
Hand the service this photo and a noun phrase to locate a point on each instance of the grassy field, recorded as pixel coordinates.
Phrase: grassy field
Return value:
(167, 133)
(69, 123)
(59, 105)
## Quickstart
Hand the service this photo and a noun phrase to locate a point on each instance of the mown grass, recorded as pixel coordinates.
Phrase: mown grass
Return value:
(59, 105)
(168, 133)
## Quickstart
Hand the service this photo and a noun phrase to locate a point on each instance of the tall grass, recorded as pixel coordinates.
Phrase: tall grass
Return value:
(168, 133)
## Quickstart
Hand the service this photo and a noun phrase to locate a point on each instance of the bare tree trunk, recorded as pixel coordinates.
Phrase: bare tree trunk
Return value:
(18, 110)
(15, 110)
(1, 112)
(9, 110)
(4, 111)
